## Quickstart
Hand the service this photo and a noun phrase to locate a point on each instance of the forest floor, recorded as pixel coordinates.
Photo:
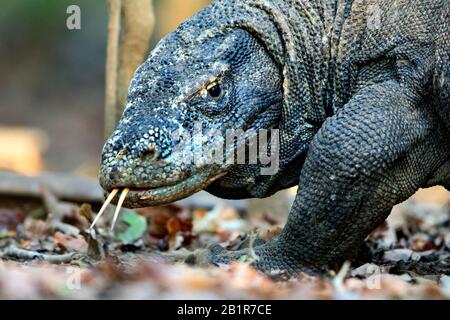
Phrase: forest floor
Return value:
(47, 252)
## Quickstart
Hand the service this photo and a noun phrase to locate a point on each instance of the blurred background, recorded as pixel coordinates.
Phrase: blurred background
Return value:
(52, 81)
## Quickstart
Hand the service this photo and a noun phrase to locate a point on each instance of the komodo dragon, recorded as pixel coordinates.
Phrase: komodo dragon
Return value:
(358, 89)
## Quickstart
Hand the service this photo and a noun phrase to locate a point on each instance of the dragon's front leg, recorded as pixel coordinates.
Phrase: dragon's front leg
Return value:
(374, 153)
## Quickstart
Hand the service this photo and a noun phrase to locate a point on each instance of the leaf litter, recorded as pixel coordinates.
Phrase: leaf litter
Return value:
(52, 253)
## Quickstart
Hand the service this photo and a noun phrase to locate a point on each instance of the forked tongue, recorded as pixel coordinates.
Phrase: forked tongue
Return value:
(108, 200)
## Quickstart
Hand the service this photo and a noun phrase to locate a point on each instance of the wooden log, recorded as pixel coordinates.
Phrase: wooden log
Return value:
(64, 186)
(79, 189)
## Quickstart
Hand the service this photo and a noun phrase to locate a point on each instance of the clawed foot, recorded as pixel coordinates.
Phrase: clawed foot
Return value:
(267, 257)
(221, 256)
(264, 257)
(245, 252)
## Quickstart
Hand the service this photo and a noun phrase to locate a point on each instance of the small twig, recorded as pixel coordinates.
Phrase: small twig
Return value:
(15, 252)
(65, 228)
(251, 246)
(95, 244)
(338, 281)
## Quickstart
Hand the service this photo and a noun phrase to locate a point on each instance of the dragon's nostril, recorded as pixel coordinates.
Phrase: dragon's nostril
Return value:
(150, 152)
(114, 173)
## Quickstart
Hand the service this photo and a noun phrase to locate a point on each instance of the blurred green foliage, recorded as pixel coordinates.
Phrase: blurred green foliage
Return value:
(41, 19)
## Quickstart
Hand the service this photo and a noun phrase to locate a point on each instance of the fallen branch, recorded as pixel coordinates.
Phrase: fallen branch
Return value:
(18, 253)
(79, 189)
(65, 228)
(63, 186)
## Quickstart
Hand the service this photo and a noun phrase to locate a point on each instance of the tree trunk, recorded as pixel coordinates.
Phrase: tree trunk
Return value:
(130, 27)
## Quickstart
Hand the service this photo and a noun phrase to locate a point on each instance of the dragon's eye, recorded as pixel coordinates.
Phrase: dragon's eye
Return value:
(215, 90)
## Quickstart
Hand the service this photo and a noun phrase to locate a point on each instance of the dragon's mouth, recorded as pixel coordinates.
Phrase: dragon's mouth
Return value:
(142, 197)
(147, 197)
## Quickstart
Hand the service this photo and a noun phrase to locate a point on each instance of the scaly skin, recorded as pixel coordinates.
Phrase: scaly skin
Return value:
(358, 89)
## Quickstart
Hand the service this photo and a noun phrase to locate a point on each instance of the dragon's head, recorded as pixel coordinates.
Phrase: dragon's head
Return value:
(197, 86)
